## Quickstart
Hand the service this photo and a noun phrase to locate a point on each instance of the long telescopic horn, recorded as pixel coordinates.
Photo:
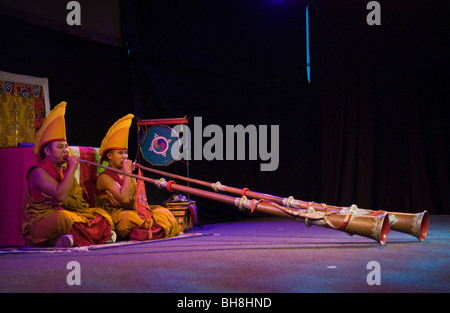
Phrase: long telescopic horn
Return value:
(374, 227)
(415, 224)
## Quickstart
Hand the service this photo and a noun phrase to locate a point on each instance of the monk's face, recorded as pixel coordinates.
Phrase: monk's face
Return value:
(117, 157)
(57, 152)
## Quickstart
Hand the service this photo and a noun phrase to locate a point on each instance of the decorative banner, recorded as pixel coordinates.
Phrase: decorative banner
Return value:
(22, 108)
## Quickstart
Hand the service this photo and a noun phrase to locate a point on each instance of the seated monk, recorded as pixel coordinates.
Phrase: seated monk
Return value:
(56, 213)
(133, 219)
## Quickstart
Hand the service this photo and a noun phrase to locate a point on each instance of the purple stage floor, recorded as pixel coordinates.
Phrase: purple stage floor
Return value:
(258, 255)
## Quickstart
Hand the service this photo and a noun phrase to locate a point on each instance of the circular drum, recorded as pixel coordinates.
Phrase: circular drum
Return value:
(159, 143)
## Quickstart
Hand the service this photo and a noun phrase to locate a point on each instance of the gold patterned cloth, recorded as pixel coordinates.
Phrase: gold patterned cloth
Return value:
(22, 112)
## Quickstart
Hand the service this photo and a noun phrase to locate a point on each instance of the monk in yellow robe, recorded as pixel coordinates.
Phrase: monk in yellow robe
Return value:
(132, 218)
(56, 213)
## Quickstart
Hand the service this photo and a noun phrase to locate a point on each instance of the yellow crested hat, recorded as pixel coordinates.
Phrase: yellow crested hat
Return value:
(117, 136)
(53, 128)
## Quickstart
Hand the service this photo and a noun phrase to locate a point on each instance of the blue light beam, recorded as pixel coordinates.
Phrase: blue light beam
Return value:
(308, 64)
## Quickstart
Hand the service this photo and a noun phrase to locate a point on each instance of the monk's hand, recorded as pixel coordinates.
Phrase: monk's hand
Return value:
(127, 166)
(112, 201)
(72, 162)
(50, 201)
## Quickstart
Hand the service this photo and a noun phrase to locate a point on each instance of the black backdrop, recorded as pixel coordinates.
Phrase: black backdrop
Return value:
(384, 105)
(369, 129)
(231, 63)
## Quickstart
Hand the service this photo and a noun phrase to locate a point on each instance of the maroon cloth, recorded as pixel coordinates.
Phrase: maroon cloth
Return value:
(88, 174)
(97, 231)
(14, 164)
(141, 233)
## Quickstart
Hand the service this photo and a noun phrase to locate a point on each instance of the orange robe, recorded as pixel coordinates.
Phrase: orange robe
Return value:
(43, 220)
(138, 220)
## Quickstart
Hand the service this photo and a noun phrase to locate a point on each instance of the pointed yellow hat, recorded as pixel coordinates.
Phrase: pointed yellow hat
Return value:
(117, 136)
(53, 128)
